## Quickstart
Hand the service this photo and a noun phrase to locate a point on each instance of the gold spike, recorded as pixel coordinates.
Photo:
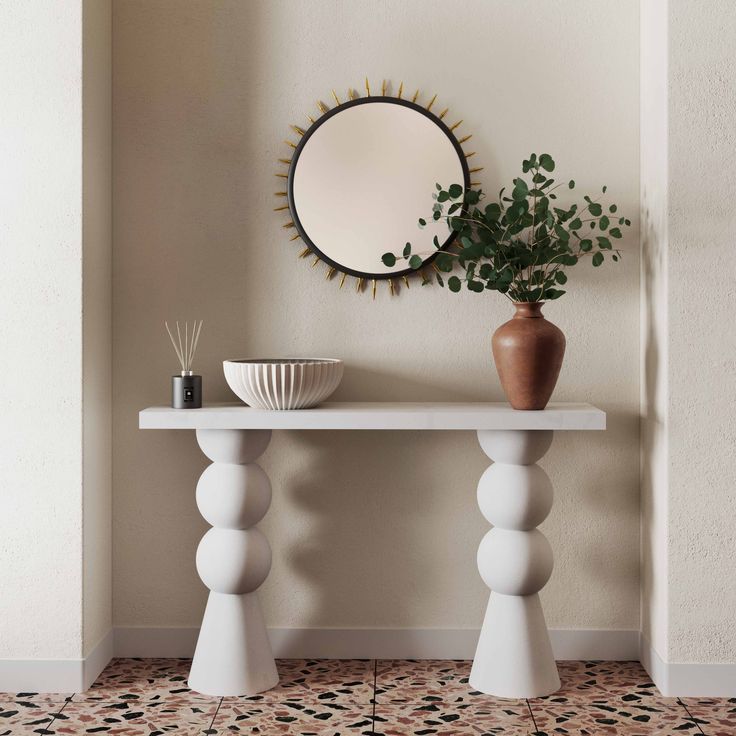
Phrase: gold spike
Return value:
(351, 94)
(359, 285)
(279, 209)
(425, 279)
(285, 160)
(431, 102)
(474, 183)
(296, 236)
(434, 266)
(383, 88)
(337, 99)
(479, 168)
(367, 87)
(289, 143)
(468, 155)
(289, 224)
(322, 107)
(391, 287)
(311, 119)
(342, 280)
(374, 289)
(443, 113)
(401, 90)
(467, 138)
(315, 261)
(297, 130)
(282, 176)
(416, 94)
(457, 125)
(305, 253)
(406, 280)
(279, 194)
(330, 273)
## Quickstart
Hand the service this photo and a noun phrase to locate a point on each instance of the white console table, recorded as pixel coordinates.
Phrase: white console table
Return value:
(514, 657)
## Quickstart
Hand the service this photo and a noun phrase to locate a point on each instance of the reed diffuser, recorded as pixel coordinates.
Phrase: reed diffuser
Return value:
(186, 388)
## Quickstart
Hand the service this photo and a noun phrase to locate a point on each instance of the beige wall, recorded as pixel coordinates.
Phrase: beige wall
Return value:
(368, 529)
(702, 341)
(55, 245)
(654, 327)
(97, 319)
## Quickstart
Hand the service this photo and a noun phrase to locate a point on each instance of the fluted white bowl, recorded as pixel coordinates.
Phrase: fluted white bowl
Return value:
(283, 384)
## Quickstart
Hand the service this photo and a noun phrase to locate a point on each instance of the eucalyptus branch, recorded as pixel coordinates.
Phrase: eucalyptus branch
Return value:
(521, 245)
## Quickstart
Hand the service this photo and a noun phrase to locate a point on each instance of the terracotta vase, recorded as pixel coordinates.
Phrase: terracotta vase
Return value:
(528, 352)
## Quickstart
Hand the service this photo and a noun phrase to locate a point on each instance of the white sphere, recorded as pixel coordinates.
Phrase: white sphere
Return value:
(233, 446)
(515, 563)
(234, 561)
(233, 496)
(514, 446)
(515, 496)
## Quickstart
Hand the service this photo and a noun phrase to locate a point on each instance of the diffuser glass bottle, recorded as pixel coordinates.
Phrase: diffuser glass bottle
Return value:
(186, 388)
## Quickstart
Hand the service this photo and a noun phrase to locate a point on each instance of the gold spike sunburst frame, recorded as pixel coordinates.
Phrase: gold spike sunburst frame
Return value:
(362, 282)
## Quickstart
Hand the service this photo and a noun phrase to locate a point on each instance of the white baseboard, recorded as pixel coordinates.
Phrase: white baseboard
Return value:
(75, 675)
(689, 679)
(621, 644)
(55, 675)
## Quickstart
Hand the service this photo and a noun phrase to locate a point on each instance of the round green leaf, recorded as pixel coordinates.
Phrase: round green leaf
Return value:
(455, 191)
(415, 262)
(389, 259)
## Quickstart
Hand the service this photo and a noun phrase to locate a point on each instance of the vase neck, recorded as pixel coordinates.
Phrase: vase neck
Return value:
(529, 310)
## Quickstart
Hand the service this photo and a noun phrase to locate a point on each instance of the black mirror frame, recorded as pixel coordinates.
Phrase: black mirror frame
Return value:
(305, 135)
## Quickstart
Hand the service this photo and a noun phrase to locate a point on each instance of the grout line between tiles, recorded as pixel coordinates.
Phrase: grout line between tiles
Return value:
(374, 698)
(211, 728)
(531, 713)
(695, 720)
(57, 713)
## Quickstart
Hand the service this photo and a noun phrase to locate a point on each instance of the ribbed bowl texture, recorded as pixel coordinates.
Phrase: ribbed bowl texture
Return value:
(283, 384)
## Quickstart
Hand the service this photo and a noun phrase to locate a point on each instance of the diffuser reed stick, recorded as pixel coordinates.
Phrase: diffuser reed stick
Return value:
(186, 349)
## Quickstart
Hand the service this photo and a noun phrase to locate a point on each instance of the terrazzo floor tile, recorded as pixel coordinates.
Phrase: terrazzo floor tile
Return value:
(294, 719)
(143, 679)
(28, 697)
(122, 718)
(604, 682)
(452, 719)
(714, 720)
(25, 717)
(324, 680)
(430, 680)
(599, 720)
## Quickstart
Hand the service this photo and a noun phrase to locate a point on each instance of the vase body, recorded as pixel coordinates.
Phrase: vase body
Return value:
(528, 351)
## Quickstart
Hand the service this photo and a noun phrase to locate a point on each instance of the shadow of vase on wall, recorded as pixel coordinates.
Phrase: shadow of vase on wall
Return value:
(528, 352)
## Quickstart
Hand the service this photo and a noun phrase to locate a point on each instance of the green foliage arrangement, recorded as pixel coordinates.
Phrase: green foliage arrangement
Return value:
(521, 244)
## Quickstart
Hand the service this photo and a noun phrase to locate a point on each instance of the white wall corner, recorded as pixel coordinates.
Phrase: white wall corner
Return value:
(687, 679)
(56, 675)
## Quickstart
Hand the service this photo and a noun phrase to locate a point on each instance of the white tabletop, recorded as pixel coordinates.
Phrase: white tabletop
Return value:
(377, 415)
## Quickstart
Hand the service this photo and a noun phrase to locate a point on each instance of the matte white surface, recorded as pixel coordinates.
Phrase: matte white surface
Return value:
(365, 177)
(55, 597)
(514, 656)
(287, 384)
(379, 415)
(233, 654)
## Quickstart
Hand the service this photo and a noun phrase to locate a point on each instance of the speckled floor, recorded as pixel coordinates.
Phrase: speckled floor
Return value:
(384, 697)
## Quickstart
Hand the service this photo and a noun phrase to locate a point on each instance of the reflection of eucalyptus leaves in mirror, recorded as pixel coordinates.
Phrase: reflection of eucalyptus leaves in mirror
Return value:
(519, 245)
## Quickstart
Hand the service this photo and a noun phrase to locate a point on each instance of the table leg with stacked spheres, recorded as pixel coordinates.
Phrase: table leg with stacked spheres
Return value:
(233, 654)
(514, 658)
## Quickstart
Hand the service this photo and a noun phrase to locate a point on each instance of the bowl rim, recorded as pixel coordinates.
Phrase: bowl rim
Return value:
(283, 361)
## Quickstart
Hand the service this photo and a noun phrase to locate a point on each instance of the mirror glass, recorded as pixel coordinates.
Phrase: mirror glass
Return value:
(362, 176)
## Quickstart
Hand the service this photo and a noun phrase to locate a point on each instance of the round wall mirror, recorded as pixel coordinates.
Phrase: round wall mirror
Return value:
(363, 174)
